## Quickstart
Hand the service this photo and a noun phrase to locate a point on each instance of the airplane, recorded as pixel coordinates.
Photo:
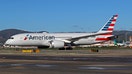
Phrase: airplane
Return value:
(62, 40)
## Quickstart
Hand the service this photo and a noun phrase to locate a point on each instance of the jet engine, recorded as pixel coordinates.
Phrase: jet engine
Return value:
(56, 44)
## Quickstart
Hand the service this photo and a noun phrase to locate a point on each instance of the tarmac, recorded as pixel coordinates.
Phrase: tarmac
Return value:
(113, 61)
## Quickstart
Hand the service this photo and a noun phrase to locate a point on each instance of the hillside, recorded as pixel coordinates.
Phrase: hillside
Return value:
(123, 35)
(5, 34)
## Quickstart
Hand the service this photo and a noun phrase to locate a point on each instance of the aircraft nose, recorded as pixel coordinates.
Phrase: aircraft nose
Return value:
(8, 42)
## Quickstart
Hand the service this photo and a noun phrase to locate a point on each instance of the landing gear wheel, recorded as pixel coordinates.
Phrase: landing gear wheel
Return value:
(69, 48)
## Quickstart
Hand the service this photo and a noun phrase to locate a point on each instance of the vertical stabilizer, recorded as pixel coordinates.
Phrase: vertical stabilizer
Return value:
(109, 26)
(107, 29)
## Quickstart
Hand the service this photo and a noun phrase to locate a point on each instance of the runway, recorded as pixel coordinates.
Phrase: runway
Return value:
(65, 64)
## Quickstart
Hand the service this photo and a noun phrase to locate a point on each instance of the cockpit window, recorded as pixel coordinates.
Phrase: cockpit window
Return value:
(11, 37)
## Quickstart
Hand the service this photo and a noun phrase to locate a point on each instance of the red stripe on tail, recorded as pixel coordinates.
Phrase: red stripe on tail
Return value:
(112, 24)
(102, 39)
(110, 29)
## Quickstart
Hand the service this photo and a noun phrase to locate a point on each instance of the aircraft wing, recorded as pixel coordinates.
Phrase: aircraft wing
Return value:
(86, 36)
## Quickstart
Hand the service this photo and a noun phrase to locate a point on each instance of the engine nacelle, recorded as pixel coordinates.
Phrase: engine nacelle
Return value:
(57, 44)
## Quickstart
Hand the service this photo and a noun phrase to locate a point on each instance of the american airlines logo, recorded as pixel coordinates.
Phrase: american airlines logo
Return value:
(26, 37)
(44, 37)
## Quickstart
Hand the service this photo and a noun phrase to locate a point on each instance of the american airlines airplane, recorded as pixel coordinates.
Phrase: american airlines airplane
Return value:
(62, 40)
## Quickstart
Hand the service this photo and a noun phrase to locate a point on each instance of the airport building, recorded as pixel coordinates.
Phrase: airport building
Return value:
(130, 38)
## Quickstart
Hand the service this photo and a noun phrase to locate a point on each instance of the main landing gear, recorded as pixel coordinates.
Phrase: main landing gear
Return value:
(66, 48)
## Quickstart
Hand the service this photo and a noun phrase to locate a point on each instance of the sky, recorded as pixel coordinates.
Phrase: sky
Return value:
(64, 15)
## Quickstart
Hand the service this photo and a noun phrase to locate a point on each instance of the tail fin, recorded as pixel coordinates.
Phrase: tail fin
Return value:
(107, 29)
(109, 26)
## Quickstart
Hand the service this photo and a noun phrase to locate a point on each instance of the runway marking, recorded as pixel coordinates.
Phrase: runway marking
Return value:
(44, 65)
(16, 64)
(27, 65)
(105, 67)
(92, 68)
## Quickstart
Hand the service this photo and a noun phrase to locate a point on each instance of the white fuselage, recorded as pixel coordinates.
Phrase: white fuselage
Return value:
(42, 39)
